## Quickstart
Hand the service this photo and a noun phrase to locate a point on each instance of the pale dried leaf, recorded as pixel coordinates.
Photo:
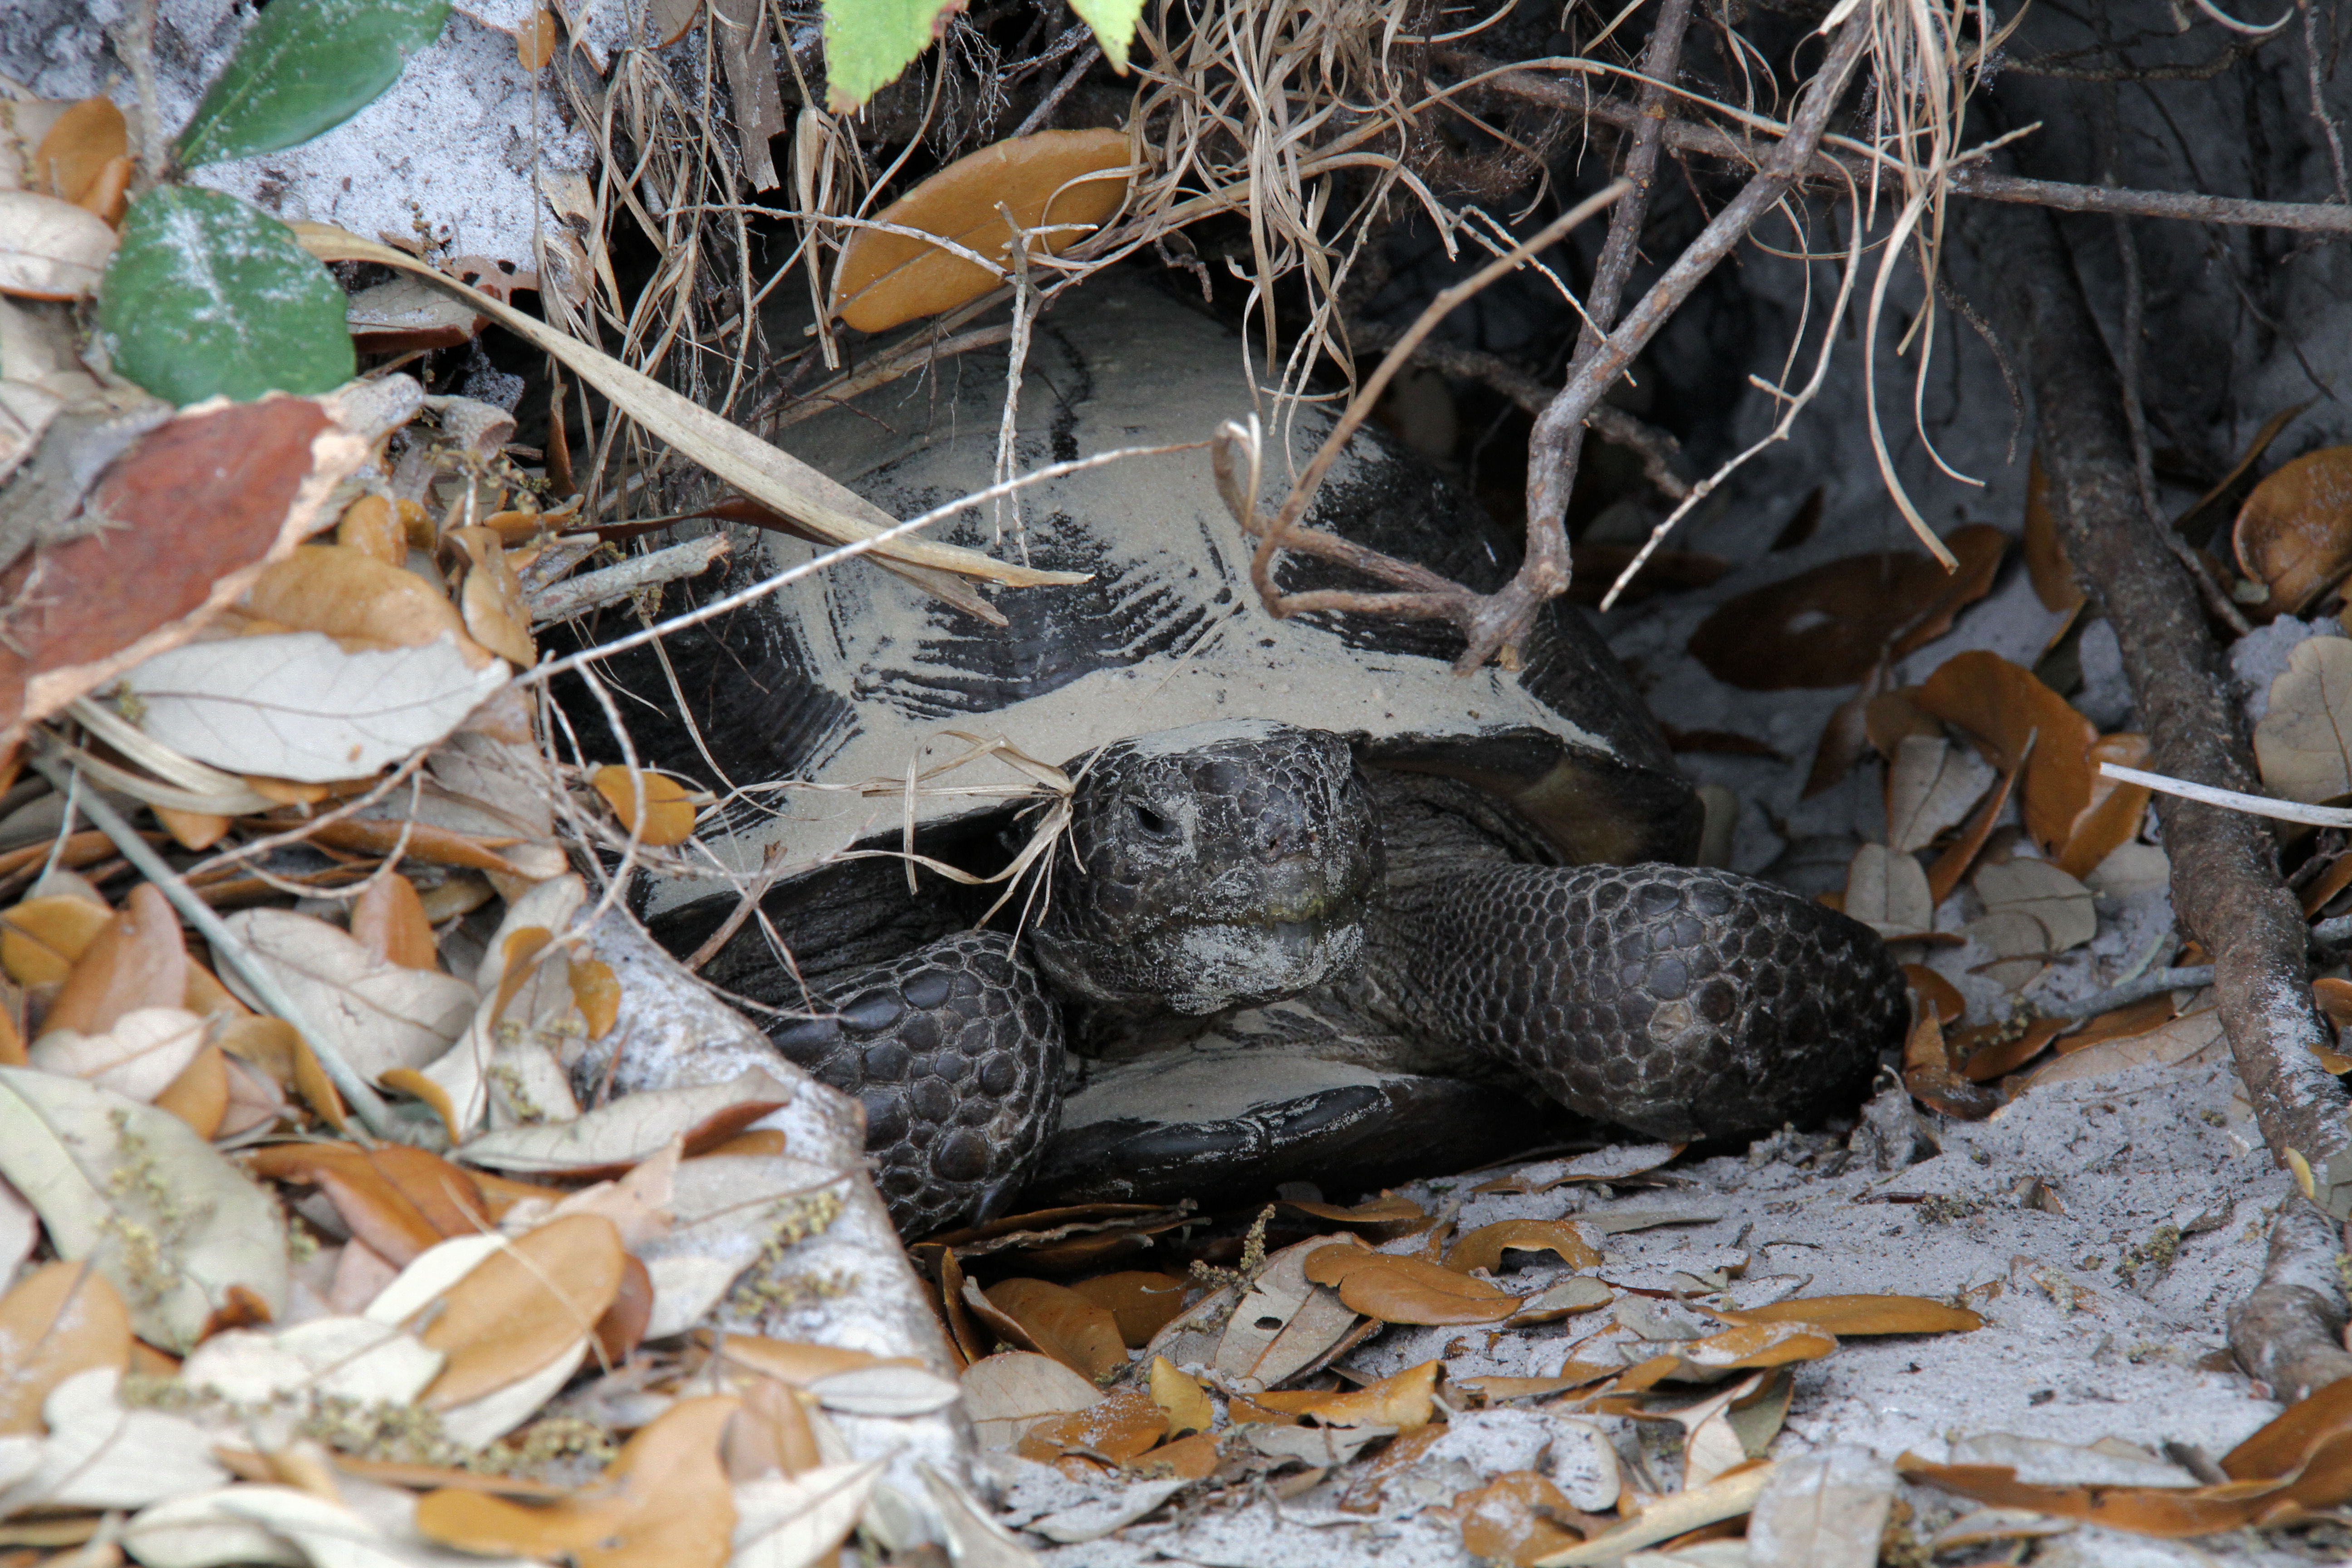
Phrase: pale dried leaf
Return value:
(2036, 887)
(294, 705)
(484, 1421)
(623, 1132)
(1931, 786)
(100, 1455)
(138, 1058)
(97, 1166)
(2301, 744)
(1283, 1324)
(377, 1015)
(1007, 1394)
(50, 250)
(1822, 1510)
(1887, 891)
(884, 1391)
(197, 1532)
(348, 1358)
(2019, 943)
(332, 1536)
(798, 1522)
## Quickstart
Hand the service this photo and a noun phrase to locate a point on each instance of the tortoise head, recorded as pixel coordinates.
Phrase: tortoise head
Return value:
(1211, 867)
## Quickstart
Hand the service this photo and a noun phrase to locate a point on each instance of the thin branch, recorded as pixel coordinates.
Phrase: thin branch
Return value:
(1551, 449)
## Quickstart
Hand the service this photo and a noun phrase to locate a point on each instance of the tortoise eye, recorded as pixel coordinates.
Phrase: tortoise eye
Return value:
(1153, 823)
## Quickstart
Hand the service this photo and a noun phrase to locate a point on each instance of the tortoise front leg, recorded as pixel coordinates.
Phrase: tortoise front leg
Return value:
(955, 1051)
(1682, 1002)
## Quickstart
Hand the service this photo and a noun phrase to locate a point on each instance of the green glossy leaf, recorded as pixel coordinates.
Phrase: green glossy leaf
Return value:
(868, 42)
(1114, 22)
(303, 68)
(206, 294)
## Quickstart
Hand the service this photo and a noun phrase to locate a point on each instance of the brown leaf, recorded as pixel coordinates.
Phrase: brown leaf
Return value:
(2004, 706)
(1843, 733)
(1999, 1057)
(1063, 1324)
(669, 814)
(1953, 865)
(522, 1307)
(623, 1326)
(1119, 1426)
(40, 938)
(1484, 1248)
(371, 526)
(1734, 1350)
(138, 959)
(80, 158)
(1520, 1517)
(1927, 1075)
(397, 1199)
(770, 1433)
(1831, 625)
(1891, 716)
(2126, 1023)
(218, 491)
(1849, 1315)
(798, 1363)
(1935, 992)
(1174, 1391)
(1408, 1289)
(191, 830)
(2045, 555)
(1140, 1301)
(1405, 1400)
(199, 1096)
(2323, 1480)
(2294, 533)
(2114, 814)
(357, 599)
(596, 992)
(1192, 1459)
(2287, 1440)
(63, 1319)
(388, 920)
(491, 597)
(1050, 181)
(665, 1503)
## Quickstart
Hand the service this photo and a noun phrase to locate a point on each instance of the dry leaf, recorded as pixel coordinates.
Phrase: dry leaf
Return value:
(50, 250)
(613, 1137)
(2020, 946)
(1060, 186)
(665, 1503)
(1931, 786)
(2045, 556)
(388, 921)
(522, 1307)
(2004, 706)
(137, 959)
(295, 705)
(1175, 1392)
(139, 1057)
(1063, 1324)
(1727, 1497)
(1831, 624)
(378, 1015)
(799, 1520)
(1120, 1426)
(1848, 1315)
(348, 595)
(64, 1145)
(491, 598)
(2191, 1034)
(1887, 891)
(1484, 1248)
(1519, 1518)
(399, 1201)
(63, 1320)
(2294, 536)
(596, 992)
(1407, 1290)
(371, 526)
(1283, 1324)
(1143, 1304)
(101, 1455)
(2299, 743)
(85, 159)
(1007, 1394)
(1928, 1074)
(1935, 992)
(2115, 809)
(40, 938)
(669, 814)
(2062, 905)
(1822, 1510)
(1404, 1400)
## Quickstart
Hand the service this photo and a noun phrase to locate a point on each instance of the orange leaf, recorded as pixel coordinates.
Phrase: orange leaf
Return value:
(522, 1307)
(337, 590)
(1119, 1426)
(1929, 1077)
(1519, 1518)
(1174, 1391)
(2115, 809)
(668, 813)
(40, 938)
(1484, 1248)
(2289, 1438)
(388, 920)
(1845, 1315)
(1140, 1301)
(1832, 625)
(371, 527)
(2003, 705)
(596, 992)
(665, 1503)
(1063, 1324)
(138, 959)
(1192, 1459)
(1059, 184)
(77, 161)
(2001, 1056)
(2295, 533)
(199, 1096)
(1733, 1350)
(1407, 1290)
(535, 41)
(1405, 1400)
(1935, 992)
(2128, 1023)
(2045, 555)
(491, 597)
(799, 1362)
(397, 1199)
(191, 830)
(62, 1320)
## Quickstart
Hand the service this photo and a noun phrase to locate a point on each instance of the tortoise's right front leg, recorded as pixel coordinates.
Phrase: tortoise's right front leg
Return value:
(955, 1052)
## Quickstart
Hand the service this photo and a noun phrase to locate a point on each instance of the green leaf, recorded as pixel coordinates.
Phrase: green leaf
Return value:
(868, 42)
(303, 68)
(206, 295)
(1114, 22)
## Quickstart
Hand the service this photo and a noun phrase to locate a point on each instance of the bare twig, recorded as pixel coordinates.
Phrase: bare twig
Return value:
(2319, 100)
(1502, 621)
(576, 595)
(1070, 79)
(2289, 1331)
